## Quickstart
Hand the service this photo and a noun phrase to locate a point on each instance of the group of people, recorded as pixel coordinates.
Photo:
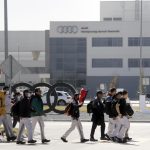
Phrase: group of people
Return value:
(116, 105)
(27, 109)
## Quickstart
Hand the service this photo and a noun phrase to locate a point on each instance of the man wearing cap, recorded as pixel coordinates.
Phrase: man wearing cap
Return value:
(98, 116)
(75, 114)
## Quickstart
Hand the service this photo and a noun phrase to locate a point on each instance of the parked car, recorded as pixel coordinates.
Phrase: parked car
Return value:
(63, 98)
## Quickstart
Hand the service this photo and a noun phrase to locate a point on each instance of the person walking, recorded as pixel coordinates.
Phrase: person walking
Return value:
(37, 116)
(25, 118)
(75, 119)
(3, 118)
(108, 104)
(98, 116)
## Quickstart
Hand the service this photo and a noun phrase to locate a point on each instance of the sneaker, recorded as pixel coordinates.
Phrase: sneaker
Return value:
(45, 141)
(32, 141)
(20, 142)
(64, 140)
(93, 140)
(84, 140)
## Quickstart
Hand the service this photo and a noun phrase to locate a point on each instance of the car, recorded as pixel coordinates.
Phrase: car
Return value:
(63, 98)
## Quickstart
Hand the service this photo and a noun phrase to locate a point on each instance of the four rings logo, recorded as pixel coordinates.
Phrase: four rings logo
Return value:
(67, 29)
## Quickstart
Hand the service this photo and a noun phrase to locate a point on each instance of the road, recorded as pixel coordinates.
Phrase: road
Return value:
(140, 132)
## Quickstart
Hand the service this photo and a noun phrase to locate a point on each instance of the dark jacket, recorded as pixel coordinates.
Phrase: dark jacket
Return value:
(25, 108)
(122, 107)
(114, 112)
(108, 105)
(37, 105)
(75, 112)
(98, 112)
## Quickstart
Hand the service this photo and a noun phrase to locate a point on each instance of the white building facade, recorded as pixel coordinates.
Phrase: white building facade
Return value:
(112, 46)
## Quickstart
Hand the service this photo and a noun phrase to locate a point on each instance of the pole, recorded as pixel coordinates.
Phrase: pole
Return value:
(6, 36)
(141, 46)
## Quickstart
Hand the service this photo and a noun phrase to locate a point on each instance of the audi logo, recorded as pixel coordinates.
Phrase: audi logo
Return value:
(51, 93)
(67, 29)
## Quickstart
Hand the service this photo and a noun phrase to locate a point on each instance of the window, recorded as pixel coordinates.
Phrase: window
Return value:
(107, 63)
(135, 41)
(107, 19)
(107, 42)
(59, 94)
(117, 19)
(135, 63)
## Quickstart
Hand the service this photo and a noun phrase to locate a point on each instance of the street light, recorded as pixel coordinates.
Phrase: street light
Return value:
(6, 36)
(141, 46)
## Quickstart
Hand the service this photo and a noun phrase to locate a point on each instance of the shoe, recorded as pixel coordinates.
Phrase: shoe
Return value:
(64, 140)
(128, 139)
(20, 142)
(107, 136)
(114, 139)
(13, 138)
(103, 138)
(124, 140)
(32, 141)
(45, 141)
(84, 140)
(93, 140)
(121, 140)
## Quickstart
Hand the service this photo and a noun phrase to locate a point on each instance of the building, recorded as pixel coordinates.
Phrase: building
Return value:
(105, 53)
(97, 55)
(28, 48)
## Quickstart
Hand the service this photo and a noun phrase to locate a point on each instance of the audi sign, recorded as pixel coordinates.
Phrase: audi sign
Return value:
(67, 29)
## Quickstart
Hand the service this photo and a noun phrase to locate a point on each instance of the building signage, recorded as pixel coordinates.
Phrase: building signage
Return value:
(67, 29)
(87, 30)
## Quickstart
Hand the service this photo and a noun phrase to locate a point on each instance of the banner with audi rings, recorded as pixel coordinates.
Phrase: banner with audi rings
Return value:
(67, 29)
(55, 97)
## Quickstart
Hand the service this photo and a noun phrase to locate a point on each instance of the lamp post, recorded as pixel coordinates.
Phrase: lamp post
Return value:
(141, 46)
(6, 36)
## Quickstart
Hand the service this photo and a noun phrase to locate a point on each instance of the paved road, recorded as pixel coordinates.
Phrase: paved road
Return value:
(137, 117)
(140, 132)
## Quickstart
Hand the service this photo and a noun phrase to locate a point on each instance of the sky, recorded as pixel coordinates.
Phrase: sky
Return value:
(37, 14)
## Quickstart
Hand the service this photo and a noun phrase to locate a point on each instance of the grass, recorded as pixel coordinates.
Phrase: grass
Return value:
(84, 108)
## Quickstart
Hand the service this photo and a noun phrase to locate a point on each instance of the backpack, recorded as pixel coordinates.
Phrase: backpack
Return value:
(68, 109)
(129, 110)
(15, 110)
(90, 107)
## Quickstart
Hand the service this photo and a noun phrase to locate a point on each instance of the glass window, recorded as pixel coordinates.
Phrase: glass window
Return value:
(117, 19)
(107, 19)
(135, 41)
(135, 63)
(107, 42)
(111, 63)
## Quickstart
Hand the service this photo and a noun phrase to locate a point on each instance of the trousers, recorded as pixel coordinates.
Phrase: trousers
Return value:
(75, 123)
(25, 122)
(94, 126)
(38, 119)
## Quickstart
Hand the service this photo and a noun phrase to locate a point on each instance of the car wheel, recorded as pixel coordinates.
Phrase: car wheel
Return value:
(61, 102)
